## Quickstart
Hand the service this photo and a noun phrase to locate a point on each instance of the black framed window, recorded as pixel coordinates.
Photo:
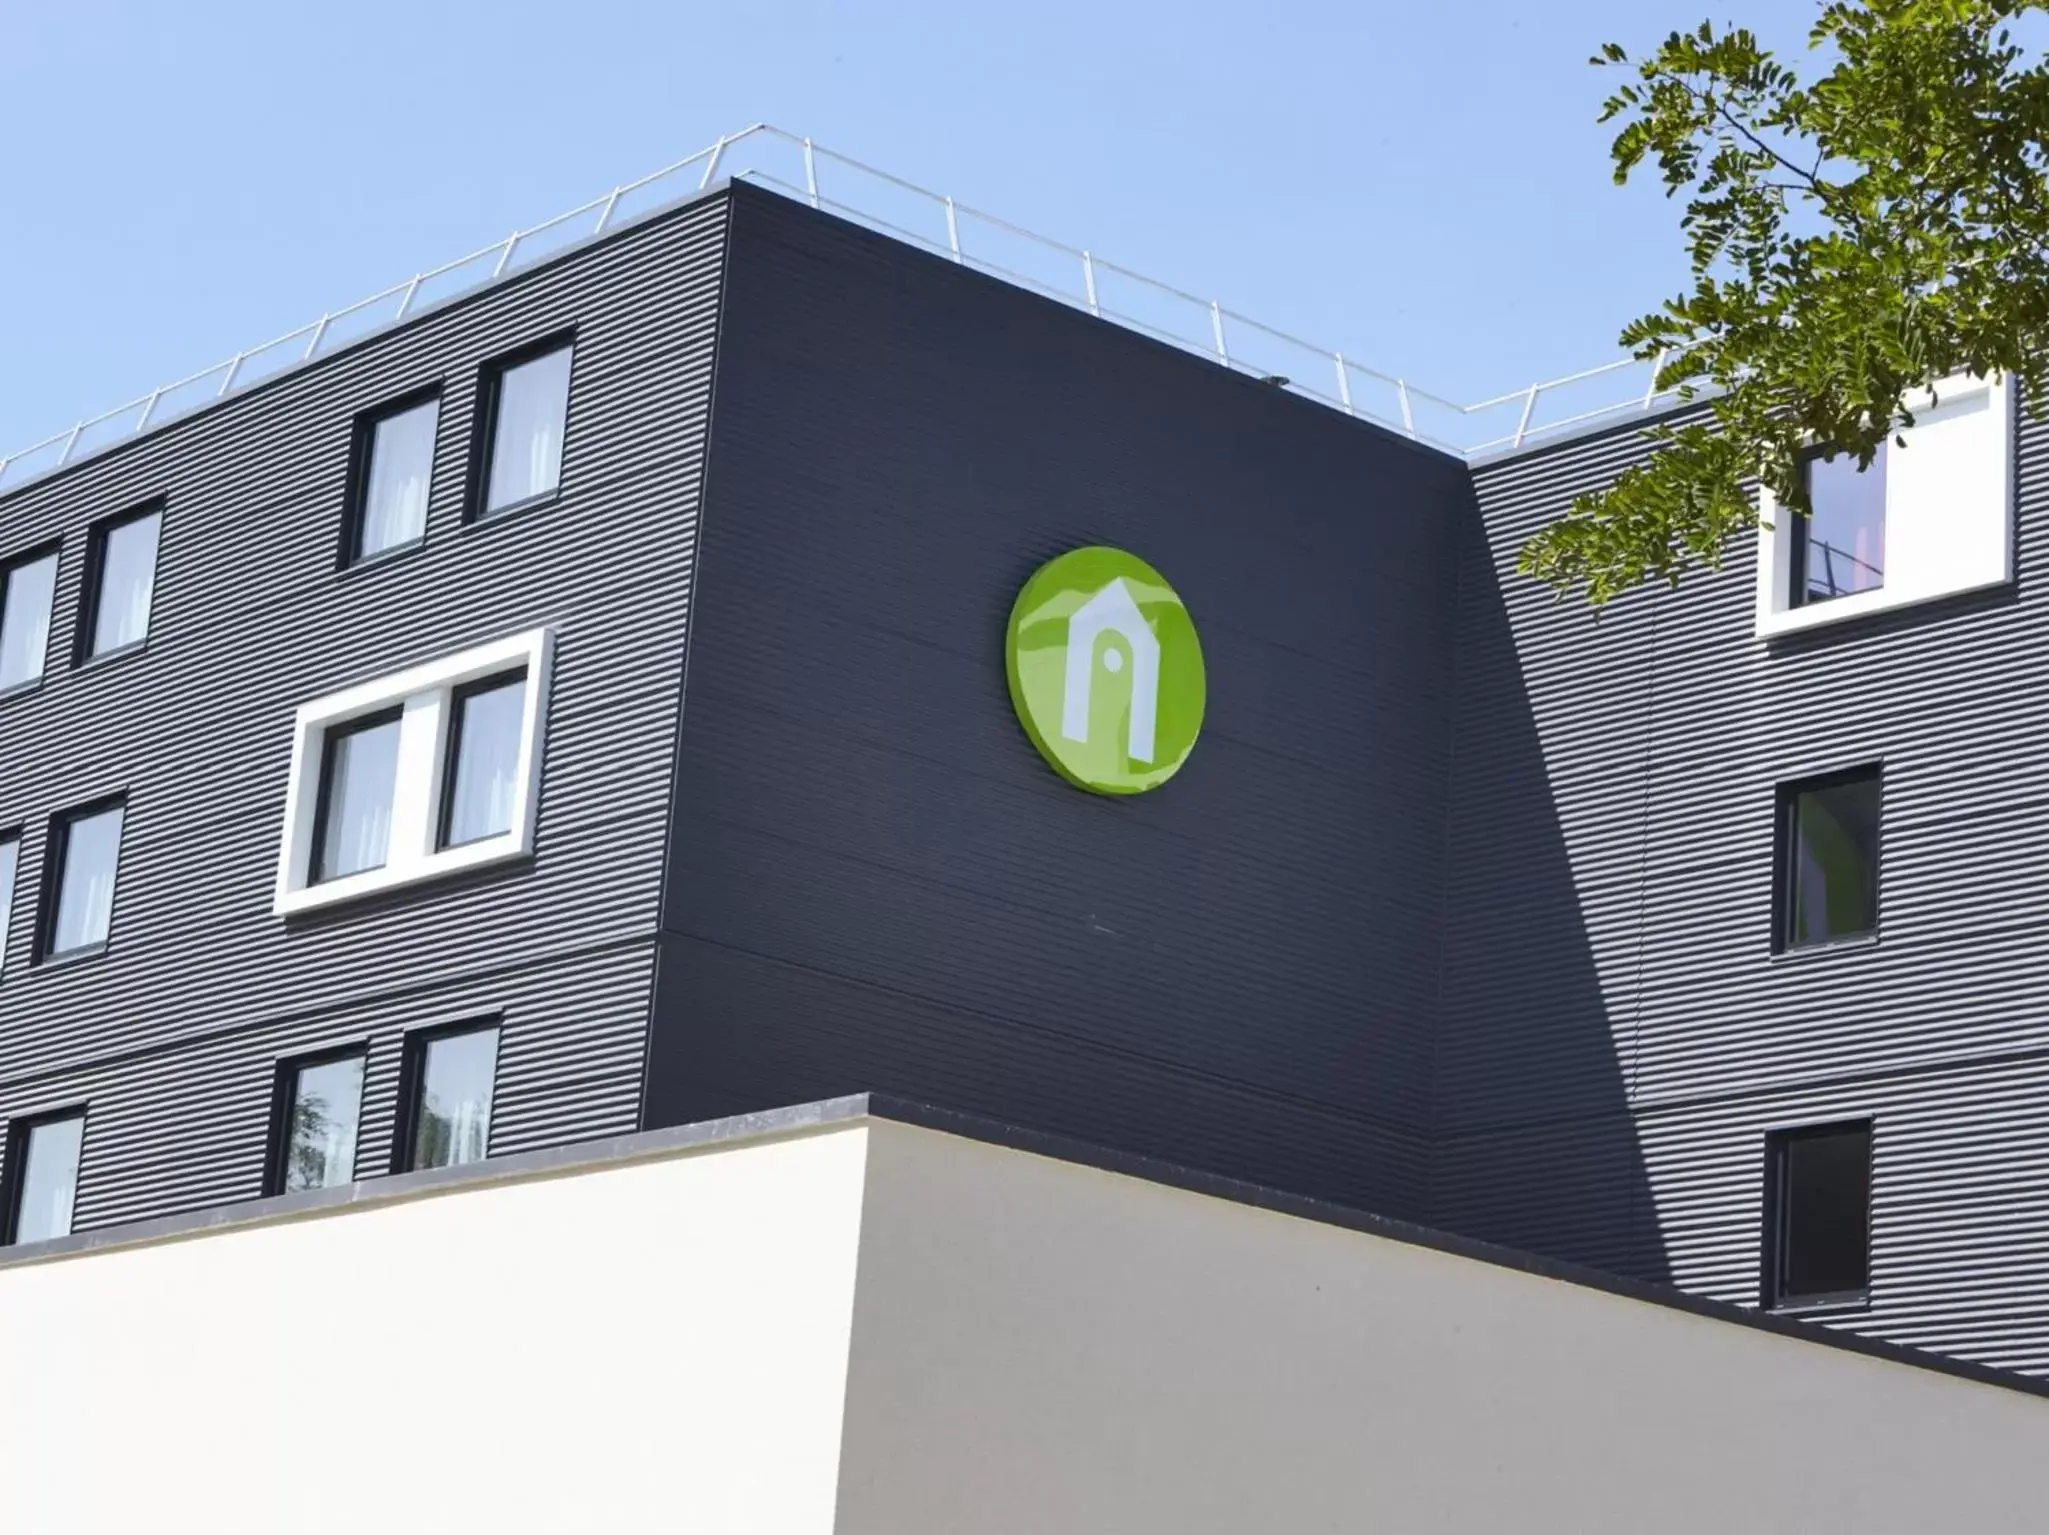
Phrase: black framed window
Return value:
(121, 569)
(10, 865)
(28, 588)
(391, 471)
(1839, 546)
(358, 786)
(43, 1156)
(483, 759)
(85, 854)
(523, 414)
(446, 1104)
(1828, 864)
(1818, 1215)
(320, 1109)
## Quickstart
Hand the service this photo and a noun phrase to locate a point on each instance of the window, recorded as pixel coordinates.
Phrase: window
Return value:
(1930, 517)
(483, 754)
(26, 589)
(1828, 871)
(524, 412)
(358, 784)
(42, 1176)
(1818, 1215)
(85, 847)
(414, 776)
(321, 1103)
(121, 568)
(10, 861)
(448, 1097)
(1840, 544)
(392, 469)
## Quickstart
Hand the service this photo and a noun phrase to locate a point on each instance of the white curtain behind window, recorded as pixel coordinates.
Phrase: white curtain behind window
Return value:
(401, 469)
(526, 448)
(488, 755)
(25, 623)
(85, 901)
(128, 565)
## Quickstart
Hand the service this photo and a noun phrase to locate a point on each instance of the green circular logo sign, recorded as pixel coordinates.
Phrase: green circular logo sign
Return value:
(1105, 671)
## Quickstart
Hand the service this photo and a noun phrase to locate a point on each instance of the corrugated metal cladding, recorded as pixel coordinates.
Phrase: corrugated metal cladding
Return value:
(878, 884)
(1611, 895)
(170, 1036)
(1459, 911)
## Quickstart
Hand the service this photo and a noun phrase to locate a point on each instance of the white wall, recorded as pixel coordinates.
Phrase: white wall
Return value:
(651, 1346)
(1948, 512)
(664, 1344)
(1043, 1347)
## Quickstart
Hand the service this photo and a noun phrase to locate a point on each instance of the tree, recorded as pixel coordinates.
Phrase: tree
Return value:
(1853, 241)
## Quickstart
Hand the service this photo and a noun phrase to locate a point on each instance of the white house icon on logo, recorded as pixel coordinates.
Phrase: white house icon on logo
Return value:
(1112, 609)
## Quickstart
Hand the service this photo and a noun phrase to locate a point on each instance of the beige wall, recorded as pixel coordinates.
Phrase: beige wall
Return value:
(653, 1346)
(888, 1331)
(1044, 1347)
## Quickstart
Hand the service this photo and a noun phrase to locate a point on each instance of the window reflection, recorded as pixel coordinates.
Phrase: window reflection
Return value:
(1834, 871)
(1824, 1192)
(320, 1147)
(453, 1123)
(1841, 542)
(49, 1179)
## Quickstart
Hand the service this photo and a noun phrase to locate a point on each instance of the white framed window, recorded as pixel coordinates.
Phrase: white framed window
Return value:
(1929, 519)
(381, 771)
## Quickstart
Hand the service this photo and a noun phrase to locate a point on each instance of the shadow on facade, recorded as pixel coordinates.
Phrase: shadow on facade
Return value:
(1536, 1148)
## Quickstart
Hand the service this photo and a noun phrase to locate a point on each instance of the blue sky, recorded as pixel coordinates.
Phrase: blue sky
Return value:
(1422, 186)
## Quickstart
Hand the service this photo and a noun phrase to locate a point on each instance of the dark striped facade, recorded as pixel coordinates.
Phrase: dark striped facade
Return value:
(1631, 924)
(878, 884)
(1459, 912)
(170, 1037)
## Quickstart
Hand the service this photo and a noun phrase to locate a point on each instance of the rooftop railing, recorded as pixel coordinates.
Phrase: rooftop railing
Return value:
(797, 167)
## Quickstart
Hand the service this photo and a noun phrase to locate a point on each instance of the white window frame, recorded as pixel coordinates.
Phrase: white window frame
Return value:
(1940, 514)
(425, 695)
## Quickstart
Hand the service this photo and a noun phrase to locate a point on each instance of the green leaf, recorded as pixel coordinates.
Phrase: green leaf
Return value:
(1850, 243)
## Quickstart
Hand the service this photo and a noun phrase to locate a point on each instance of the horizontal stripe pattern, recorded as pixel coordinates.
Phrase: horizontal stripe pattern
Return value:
(170, 1036)
(1630, 766)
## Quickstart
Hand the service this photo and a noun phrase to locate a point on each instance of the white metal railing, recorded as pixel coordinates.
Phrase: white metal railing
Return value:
(771, 157)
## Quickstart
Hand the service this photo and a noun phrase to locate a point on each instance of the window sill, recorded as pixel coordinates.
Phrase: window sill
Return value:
(108, 657)
(398, 554)
(421, 871)
(513, 509)
(22, 689)
(1824, 1307)
(1842, 610)
(71, 957)
(1796, 952)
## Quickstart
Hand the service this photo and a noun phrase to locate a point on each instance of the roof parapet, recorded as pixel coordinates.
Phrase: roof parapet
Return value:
(773, 157)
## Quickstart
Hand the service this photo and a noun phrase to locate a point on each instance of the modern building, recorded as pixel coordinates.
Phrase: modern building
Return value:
(576, 706)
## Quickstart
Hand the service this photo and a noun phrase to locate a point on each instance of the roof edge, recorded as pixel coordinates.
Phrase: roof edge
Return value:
(833, 1114)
